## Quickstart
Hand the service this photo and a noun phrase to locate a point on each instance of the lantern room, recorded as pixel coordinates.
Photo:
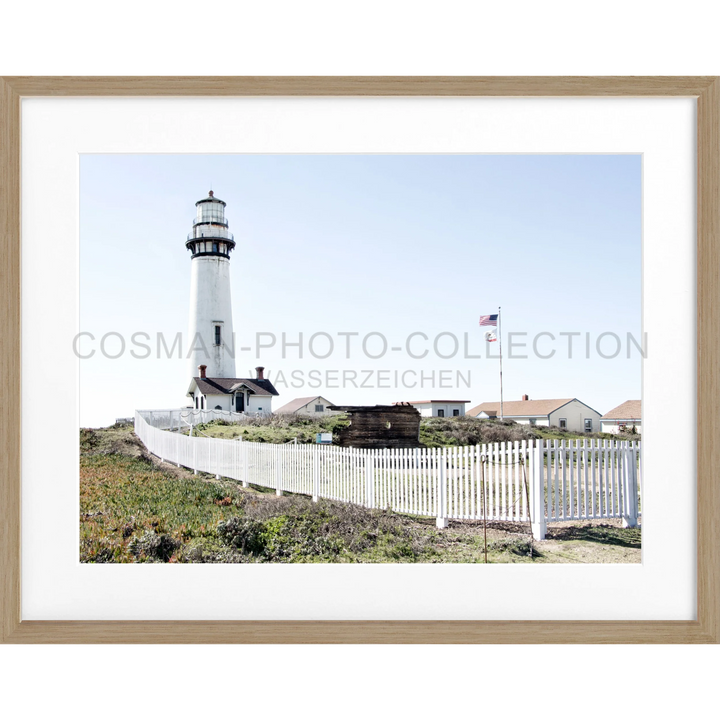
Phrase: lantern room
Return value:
(210, 234)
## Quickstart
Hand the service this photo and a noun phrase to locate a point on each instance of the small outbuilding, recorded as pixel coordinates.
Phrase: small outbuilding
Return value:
(314, 406)
(566, 413)
(379, 426)
(624, 418)
(440, 408)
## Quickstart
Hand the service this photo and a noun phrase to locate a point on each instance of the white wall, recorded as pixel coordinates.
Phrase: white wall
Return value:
(613, 426)
(575, 413)
(259, 404)
(255, 403)
(209, 302)
(309, 409)
(224, 401)
(431, 409)
(212, 401)
(540, 420)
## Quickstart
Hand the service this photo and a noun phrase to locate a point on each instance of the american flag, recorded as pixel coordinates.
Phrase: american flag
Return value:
(488, 320)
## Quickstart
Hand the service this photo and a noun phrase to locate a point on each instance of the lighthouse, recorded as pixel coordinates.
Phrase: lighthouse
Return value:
(211, 339)
(213, 385)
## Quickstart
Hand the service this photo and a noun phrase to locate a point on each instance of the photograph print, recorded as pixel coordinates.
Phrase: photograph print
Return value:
(360, 358)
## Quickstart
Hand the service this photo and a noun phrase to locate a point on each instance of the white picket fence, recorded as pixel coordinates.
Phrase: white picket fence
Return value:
(530, 481)
(184, 417)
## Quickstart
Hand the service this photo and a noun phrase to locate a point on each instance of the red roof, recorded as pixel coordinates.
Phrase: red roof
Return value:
(520, 408)
(629, 410)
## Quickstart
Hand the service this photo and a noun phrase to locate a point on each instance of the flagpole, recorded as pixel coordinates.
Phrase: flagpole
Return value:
(502, 416)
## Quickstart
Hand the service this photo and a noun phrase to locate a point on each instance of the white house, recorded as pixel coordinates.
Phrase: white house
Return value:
(439, 408)
(232, 394)
(315, 405)
(566, 413)
(624, 417)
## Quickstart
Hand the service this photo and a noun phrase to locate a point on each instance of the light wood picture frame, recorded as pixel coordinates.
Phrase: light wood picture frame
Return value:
(705, 629)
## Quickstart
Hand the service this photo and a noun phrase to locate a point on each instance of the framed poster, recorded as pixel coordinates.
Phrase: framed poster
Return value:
(69, 124)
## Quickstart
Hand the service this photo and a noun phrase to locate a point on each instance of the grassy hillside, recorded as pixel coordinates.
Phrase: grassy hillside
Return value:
(275, 428)
(135, 509)
(434, 432)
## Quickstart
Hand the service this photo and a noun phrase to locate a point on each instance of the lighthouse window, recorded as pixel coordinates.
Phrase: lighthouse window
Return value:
(217, 334)
(215, 247)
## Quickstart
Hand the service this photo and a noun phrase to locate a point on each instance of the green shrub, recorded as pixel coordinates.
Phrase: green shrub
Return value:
(153, 547)
(245, 534)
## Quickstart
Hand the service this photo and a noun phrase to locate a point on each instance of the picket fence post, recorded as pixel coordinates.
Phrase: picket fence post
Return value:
(442, 520)
(316, 473)
(369, 479)
(631, 494)
(537, 491)
(278, 470)
(245, 450)
(217, 445)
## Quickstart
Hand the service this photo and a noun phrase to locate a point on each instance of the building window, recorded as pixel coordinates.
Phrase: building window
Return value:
(441, 413)
(319, 408)
(456, 413)
(588, 424)
(215, 247)
(202, 402)
(217, 335)
(563, 423)
(196, 402)
(218, 407)
(533, 421)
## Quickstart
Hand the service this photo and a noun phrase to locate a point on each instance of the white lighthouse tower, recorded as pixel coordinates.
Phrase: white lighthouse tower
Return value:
(213, 385)
(212, 343)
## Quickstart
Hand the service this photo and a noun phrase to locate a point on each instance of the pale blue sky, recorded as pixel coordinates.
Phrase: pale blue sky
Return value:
(368, 243)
